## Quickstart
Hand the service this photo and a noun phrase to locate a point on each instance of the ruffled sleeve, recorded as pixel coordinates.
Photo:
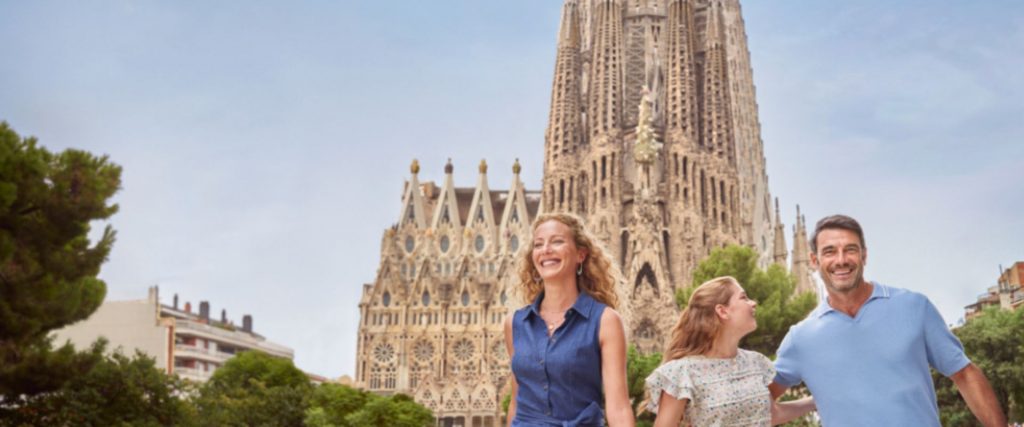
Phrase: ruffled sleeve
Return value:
(672, 378)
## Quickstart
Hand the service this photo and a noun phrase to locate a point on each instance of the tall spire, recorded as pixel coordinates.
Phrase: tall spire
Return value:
(564, 133)
(681, 88)
(780, 238)
(604, 108)
(801, 268)
(717, 126)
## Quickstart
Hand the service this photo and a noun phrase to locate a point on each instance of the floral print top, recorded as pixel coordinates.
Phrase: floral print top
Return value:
(721, 392)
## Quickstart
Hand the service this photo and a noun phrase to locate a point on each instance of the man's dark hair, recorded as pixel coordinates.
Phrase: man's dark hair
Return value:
(841, 222)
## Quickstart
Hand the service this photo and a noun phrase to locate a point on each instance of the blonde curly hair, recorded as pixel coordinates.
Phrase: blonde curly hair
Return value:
(600, 274)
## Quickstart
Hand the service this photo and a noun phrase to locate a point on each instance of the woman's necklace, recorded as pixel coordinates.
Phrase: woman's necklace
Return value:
(552, 324)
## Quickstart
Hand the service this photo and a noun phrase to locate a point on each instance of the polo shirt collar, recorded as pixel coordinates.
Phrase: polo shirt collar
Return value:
(878, 291)
(584, 302)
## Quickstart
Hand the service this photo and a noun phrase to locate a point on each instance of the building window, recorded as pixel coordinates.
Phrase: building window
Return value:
(513, 243)
(426, 298)
(465, 298)
(410, 243)
(479, 243)
(445, 243)
(386, 299)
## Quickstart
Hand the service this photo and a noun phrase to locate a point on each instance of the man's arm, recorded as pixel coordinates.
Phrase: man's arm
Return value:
(776, 390)
(980, 398)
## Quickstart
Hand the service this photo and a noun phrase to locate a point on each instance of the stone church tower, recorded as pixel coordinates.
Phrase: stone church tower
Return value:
(701, 182)
(653, 138)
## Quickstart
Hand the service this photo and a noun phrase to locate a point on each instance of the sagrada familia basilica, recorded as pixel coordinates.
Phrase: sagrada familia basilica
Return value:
(653, 138)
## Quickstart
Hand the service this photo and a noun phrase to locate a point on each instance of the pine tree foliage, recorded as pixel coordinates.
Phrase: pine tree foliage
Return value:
(48, 265)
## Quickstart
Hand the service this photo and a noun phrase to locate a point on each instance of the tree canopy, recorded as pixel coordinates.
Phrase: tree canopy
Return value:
(48, 265)
(994, 341)
(114, 390)
(254, 388)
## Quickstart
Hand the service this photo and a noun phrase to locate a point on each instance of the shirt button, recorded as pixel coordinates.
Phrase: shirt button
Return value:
(541, 361)
(548, 413)
(545, 386)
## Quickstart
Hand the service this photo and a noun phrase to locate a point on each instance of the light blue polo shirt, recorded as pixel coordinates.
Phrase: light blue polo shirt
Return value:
(872, 369)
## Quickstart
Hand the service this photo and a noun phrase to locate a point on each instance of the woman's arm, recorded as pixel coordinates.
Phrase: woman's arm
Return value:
(670, 411)
(613, 370)
(784, 412)
(511, 376)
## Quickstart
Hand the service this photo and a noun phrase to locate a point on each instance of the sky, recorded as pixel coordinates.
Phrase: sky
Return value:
(265, 144)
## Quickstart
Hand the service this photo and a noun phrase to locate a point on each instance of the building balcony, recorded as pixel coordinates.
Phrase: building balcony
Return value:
(193, 374)
(237, 339)
(207, 354)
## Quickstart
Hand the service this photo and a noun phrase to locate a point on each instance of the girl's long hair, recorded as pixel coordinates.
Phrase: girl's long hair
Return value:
(698, 325)
(600, 275)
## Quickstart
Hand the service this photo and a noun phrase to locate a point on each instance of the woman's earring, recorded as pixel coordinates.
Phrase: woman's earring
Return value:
(579, 269)
(536, 279)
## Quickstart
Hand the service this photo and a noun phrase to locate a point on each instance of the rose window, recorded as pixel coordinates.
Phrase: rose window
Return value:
(423, 351)
(499, 352)
(384, 352)
(463, 350)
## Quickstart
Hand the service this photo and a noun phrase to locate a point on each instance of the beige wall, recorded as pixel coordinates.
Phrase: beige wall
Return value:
(129, 325)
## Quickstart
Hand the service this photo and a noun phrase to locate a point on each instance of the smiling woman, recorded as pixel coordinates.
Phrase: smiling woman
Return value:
(568, 347)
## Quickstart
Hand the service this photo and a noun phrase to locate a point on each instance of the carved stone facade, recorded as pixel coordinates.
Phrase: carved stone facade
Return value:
(432, 322)
(653, 138)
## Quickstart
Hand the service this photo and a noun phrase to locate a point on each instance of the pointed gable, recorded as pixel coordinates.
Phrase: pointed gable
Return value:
(515, 220)
(413, 211)
(447, 211)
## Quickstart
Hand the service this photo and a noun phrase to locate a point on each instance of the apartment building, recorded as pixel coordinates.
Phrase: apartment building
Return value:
(191, 344)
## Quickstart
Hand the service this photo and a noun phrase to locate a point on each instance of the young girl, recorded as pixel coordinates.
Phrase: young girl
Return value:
(705, 378)
(568, 347)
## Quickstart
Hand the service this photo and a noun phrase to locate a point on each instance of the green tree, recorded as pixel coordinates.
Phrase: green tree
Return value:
(48, 266)
(777, 307)
(117, 390)
(638, 368)
(329, 404)
(397, 411)
(995, 343)
(255, 389)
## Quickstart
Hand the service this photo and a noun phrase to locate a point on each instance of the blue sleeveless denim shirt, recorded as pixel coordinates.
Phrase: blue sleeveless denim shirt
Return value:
(559, 378)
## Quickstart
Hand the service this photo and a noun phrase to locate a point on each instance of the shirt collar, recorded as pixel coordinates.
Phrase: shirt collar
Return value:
(879, 291)
(584, 302)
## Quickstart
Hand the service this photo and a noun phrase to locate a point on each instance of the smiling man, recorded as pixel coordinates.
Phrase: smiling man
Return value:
(865, 352)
